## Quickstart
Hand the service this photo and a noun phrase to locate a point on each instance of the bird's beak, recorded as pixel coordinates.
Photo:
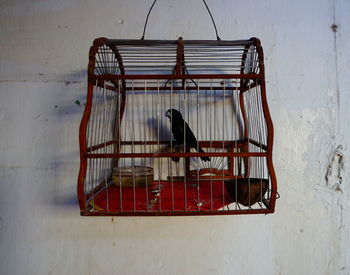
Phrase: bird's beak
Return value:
(168, 114)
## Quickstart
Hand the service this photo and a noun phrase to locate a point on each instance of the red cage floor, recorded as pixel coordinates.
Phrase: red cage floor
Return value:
(171, 197)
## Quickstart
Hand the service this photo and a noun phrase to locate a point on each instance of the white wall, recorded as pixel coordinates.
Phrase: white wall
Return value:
(43, 58)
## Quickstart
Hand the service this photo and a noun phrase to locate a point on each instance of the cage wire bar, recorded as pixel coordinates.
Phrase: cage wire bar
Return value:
(219, 89)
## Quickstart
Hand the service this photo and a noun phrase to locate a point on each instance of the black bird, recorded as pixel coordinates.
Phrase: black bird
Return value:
(179, 131)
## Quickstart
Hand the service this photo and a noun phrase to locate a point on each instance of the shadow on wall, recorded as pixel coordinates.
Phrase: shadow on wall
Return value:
(66, 104)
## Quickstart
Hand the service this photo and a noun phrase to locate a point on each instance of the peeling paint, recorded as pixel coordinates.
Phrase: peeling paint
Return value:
(335, 169)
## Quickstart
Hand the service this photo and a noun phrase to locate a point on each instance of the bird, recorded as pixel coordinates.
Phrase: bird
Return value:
(180, 128)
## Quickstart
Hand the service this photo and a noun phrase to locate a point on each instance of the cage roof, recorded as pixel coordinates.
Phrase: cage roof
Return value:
(177, 58)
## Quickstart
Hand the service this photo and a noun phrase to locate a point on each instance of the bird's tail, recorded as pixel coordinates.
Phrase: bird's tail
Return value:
(200, 150)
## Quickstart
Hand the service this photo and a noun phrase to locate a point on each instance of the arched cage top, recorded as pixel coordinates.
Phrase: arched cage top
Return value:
(175, 58)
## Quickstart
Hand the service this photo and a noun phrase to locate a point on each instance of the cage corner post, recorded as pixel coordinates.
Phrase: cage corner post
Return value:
(269, 125)
(84, 124)
(83, 149)
(243, 88)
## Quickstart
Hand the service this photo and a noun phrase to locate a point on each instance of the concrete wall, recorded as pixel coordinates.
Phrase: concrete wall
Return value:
(43, 57)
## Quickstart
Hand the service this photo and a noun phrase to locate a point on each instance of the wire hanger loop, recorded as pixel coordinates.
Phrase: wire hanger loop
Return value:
(205, 3)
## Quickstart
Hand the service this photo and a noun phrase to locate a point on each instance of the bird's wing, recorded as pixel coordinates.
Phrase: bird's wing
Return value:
(190, 137)
(178, 130)
(182, 132)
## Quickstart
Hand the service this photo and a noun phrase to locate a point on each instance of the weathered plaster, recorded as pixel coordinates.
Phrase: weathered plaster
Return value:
(43, 58)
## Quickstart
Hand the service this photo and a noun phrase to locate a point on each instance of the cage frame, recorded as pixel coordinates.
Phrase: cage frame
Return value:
(178, 74)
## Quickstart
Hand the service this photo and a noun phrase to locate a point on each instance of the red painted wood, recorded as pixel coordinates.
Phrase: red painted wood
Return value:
(270, 131)
(173, 76)
(181, 213)
(83, 148)
(135, 199)
(169, 155)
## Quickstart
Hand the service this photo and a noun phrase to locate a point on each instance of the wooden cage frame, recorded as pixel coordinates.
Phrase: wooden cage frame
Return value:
(118, 84)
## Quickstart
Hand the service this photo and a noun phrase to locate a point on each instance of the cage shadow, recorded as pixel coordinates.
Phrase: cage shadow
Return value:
(66, 106)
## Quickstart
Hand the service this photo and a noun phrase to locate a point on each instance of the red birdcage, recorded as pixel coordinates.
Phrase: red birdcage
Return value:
(137, 161)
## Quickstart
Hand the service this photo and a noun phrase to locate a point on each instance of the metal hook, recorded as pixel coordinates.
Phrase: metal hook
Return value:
(144, 28)
(205, 3)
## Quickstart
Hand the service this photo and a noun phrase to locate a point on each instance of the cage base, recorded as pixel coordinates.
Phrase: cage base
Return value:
(162, 196)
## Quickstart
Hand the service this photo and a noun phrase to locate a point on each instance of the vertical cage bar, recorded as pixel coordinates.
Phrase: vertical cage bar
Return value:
(187, 160)
(198, 186)
(145, 139)
(211, 143)
(159, 117)
(105, 135)
(171, 148)
(223, 142)
(132, 144)
(119, 137)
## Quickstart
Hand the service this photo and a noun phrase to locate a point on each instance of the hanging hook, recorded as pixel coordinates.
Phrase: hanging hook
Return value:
(144, 28)
(212, 19)
(205, 3)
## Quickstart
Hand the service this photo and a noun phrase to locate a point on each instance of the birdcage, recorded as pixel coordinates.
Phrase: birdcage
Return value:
(176, 127)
